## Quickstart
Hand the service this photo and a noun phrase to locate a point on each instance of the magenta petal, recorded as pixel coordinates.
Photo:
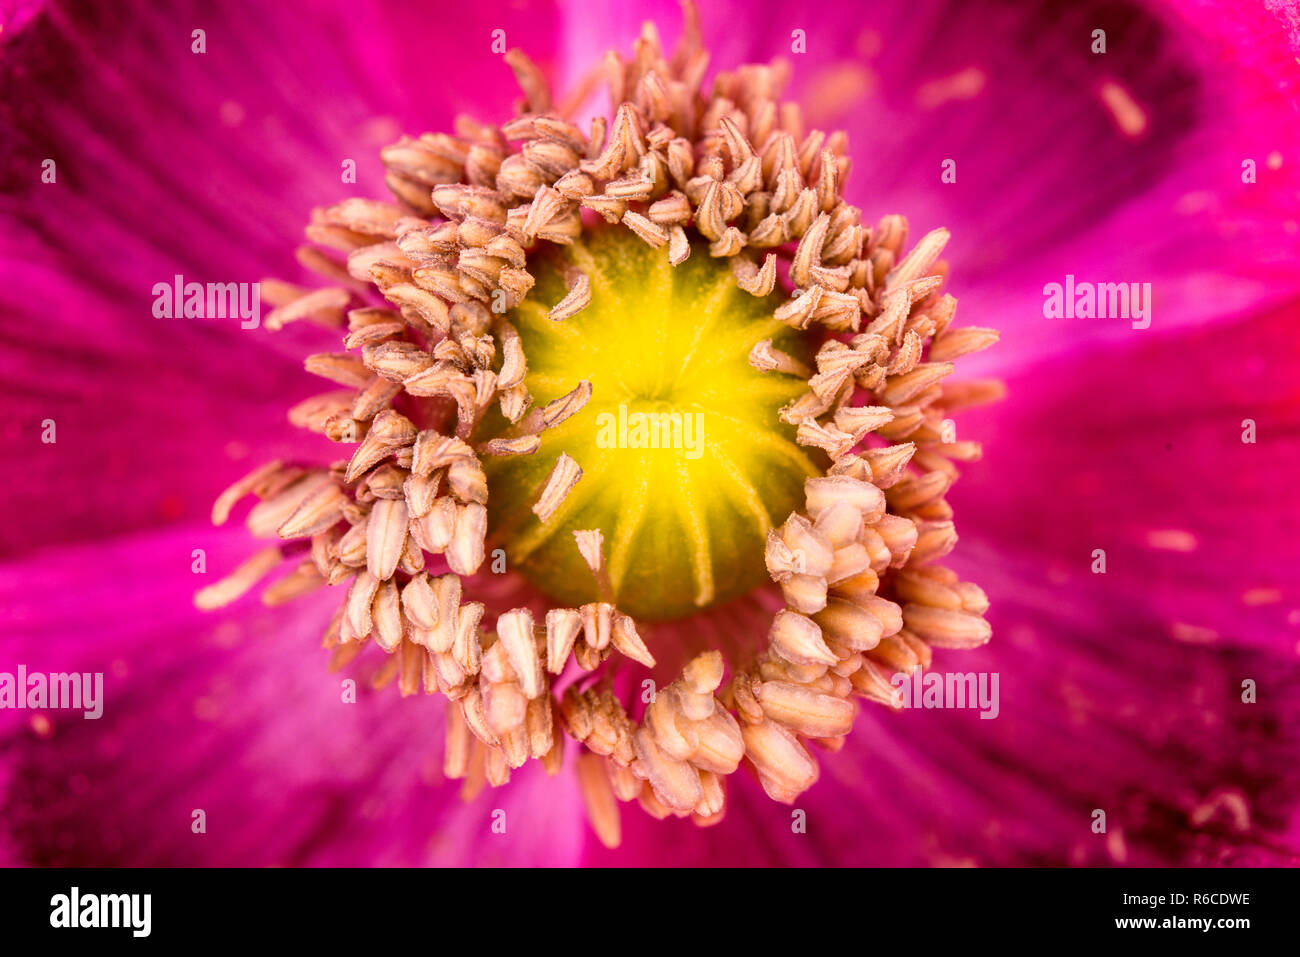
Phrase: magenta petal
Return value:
(1121, 692)
(1048, 178)
(205, 165)
(1129, 452)
(1147, 452)
(235, 715)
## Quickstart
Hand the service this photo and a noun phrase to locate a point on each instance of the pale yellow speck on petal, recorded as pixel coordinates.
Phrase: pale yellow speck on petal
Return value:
(963, 85)
(1193, 634)
(1172, 540)
(1261, 596)
(1124, 110)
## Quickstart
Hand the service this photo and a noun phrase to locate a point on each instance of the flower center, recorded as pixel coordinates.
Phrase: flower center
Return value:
(685, 463)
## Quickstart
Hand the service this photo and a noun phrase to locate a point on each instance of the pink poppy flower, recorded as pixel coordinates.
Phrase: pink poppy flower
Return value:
(1130, 521)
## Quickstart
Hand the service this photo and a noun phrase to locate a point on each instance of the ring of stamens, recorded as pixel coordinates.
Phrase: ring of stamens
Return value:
(854, 565)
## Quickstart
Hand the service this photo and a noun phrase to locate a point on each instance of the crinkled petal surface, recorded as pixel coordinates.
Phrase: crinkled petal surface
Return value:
(1120, 692)
(237, 717)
